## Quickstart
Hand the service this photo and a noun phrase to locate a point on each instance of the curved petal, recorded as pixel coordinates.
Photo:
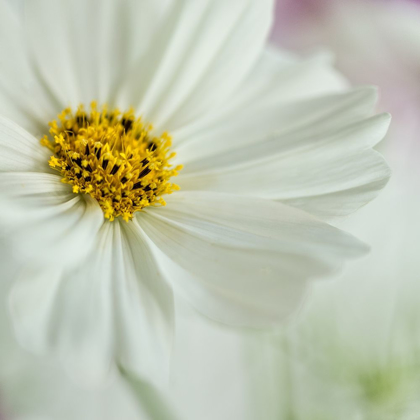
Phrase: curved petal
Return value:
(112, 309)
(44, 221)
(201, 53)
(70, 315)
(145, 309)
(276, 83)
(324, 164)
(86, 48)
(21, 96)
(19, 150)
(164, 57)
(241, 261)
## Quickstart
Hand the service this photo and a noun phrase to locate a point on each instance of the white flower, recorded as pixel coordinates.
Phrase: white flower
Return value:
(267, 143)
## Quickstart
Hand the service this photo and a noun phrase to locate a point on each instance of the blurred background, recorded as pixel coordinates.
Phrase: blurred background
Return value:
(353, 352)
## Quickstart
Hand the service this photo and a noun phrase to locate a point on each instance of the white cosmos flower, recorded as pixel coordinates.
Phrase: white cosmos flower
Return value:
(268, 143)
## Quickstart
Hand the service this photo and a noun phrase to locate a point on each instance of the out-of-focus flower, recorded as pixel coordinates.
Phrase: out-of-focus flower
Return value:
(268, 142)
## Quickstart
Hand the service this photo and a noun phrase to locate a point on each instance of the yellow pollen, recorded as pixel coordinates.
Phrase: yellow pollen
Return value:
(113, 157)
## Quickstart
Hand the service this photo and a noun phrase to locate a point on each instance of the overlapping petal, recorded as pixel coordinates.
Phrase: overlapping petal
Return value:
(277, 82)
(189, 69)
(86, 48)
(19, 150)
(114, 308)
(22, 97)
(40, 215)
(243, 261)
(324, 164)
(59, 226)
(170, 59)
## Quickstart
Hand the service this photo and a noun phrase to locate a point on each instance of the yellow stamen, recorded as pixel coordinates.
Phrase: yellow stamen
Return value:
(113, 157)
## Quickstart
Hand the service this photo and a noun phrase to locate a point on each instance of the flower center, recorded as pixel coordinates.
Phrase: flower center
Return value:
(113, 157)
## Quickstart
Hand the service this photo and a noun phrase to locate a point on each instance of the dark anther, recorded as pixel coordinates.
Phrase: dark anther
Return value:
(88, 179)
(80, 119)
(98, 153)
(124, 179)
(78, 161)
(152, 146)
(79, 175)
(145, 161)
(89, 168)
(137, 185)
(127, 124)
(144, 172)
(115, 169)
(147, 188)
(105, 164)
(87, 151)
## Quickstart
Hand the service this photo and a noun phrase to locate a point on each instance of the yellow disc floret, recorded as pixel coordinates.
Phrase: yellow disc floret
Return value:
(113, 157)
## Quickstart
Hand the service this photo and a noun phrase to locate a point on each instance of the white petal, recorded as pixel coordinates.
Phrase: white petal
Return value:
(275, 85)
(19, 150)
(202, 52)
(43, 220)
(144, 308)
(22, 97)
(72, 316)
(241, 261)
(86, 48)
(325, 166)
(252, 126)
(288, 81)
(112, 309)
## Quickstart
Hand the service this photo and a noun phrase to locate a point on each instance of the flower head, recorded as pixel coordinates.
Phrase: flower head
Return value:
(272, 148)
